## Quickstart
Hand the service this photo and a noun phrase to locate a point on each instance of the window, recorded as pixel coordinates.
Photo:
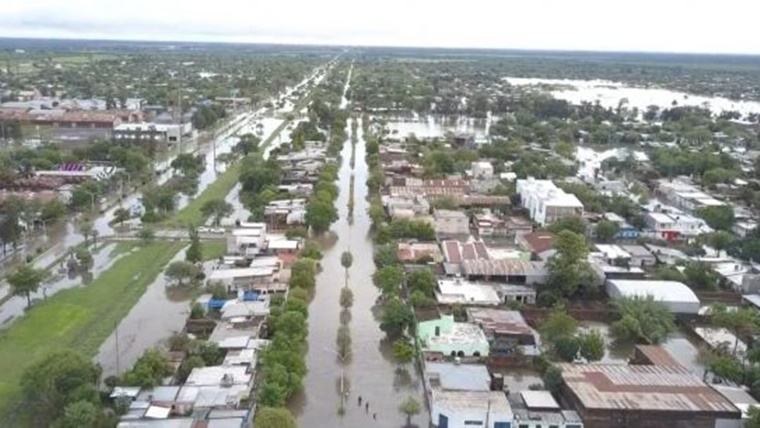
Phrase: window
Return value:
(501, 425)
(473, 423)
(524, 426)
(553, 426)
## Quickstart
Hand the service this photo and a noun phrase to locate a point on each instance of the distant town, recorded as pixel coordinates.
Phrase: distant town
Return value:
(211, 235)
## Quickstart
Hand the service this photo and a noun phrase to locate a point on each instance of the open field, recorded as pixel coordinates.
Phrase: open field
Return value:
(79, 318)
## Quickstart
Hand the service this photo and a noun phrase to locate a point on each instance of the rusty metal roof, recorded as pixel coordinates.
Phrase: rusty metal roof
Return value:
(503, 267)
(642, 387)
(456, 252)
(500, 321)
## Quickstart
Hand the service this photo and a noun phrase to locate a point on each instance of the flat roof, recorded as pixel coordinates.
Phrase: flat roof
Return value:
(493, 402)
(668, 291)
(612, 251)
(212, 376)
(222, 274)
(642, 388)
(458, 377)
(462, 291)
(539, 400)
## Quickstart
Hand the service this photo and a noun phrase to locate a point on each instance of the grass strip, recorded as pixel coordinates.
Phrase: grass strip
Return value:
(80, 318)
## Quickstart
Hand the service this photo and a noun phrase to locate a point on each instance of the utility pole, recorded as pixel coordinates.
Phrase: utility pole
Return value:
(118, 370)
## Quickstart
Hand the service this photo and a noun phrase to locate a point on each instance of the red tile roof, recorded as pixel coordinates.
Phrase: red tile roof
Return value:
(538, 242)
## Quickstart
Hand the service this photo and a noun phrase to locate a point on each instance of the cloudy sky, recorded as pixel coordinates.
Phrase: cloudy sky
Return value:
(726, 26)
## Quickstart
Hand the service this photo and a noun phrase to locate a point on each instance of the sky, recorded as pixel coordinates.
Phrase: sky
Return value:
(696, 26)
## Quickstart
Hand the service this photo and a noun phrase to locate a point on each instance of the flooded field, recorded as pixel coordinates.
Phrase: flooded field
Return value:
(609, 94)
(432, 126)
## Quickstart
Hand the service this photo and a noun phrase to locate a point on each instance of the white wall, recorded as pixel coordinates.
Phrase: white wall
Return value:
(457, 418)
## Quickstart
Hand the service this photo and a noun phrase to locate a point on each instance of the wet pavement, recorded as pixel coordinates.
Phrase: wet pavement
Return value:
(370, 371)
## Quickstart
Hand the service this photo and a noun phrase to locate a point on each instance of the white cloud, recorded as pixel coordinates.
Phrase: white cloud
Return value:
(645, 25)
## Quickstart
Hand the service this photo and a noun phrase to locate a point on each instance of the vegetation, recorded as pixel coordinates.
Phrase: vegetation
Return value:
(25, 281)
(272, 417)
(569, 270)
(410, 408)
(642, 319)
(217, 209)
(79, 319)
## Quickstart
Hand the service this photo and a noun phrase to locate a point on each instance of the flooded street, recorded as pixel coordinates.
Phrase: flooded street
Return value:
(436, 127)
(370, 371)
(160, 312)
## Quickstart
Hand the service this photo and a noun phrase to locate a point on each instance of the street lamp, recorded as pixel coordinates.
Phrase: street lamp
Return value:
(342, 372)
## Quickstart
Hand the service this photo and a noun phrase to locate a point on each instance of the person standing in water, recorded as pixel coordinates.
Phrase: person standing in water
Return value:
(360, 401)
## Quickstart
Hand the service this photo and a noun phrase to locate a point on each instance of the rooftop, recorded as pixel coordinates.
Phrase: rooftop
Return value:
(457, 377)
(462, 291)
(669, 291)
(455, 251)
(500, 321)
(539, 400)
(640, 387)
(538, 242)
(612, 251)
(214, 376)
(472, 402)
(503, 267)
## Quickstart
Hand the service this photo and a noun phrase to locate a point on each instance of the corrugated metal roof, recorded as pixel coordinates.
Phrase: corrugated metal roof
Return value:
(503, 267)
(641, 387)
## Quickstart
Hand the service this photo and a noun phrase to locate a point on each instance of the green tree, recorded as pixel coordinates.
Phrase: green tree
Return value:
(320, 214)
(194, 253)
(187, 367)
(721, 240)
(311, 250)
(592, 345)
(180, 271)
(217, 209)
(148, 371)
(188, 164)
(753, 417)
(700, 276)
(403, 351)
(53, 210)
(574, 224)
(552, 379)
(423, 280)
(346, 298)
(25, 281)
(388, 279)
(396, 317)
(642, 318)
(385, 255)
(121, 215)
(58, 380)
(346, 259)
(558, 324)
(270, 417)
(569, 271)
(343, 341)
(84, 257)
(410, 408)
(147, 234)
(607, 230)
(718, 217)
(742, 323)
(86, 229)
(79, 414)
(248, 143)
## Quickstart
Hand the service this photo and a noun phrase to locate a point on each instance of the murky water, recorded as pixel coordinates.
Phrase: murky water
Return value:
(436, 127)
(60, 279)
(609, 94)
(371, 371)
(160, 312)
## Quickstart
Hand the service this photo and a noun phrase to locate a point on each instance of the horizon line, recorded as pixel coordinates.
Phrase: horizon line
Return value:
(371, 46)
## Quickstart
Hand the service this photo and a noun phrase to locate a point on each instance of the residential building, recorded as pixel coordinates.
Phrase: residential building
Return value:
(247, 240)
(459, 291)
(511, 271)
(450, 222)
(488, 224)
(166, 134)
(684, 195)
(460, 396)
(516, 293)
(450, 338)
(744, 228)
(546, 202)
(413, 252)
(406, 206)
(625, 230)
(454, 252)
(640, 255)
(678, 297)
(539, 409)
(666, 255)
(675, 226)
(506, 331)
(539, 244)
(642, 396)
(482, 170)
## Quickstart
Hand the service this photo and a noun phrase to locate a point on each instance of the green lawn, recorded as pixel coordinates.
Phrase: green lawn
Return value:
(212, 250)
(79, 318)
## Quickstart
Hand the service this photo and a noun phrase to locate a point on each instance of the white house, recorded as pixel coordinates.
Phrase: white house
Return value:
(546, 202)
(482, 170)
(678, 297)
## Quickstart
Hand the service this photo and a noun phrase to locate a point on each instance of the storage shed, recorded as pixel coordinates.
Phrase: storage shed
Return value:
(675, 295)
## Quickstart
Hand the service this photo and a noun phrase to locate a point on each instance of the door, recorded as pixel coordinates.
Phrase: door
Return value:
(443, 421)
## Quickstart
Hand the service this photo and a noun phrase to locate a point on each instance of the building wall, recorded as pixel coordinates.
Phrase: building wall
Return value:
(452, 226)
(457, 419)
(445, 324)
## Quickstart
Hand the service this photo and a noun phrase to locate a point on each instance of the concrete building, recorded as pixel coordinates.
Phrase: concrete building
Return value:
(450, 222)
(539, 409)
(450, 338)
(459, 291)
(506, 331)
(546, 202)
(412, 252)
(640, 255)
(625, 230)
(539, 244)
(684, 195)
(168, 134)
(678, 297)
(455, 252)
(482, 170)
(642, 396)
(511, 271)
(675, 226)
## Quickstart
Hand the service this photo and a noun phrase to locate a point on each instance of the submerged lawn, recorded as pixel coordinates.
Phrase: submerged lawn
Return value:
(79, 318)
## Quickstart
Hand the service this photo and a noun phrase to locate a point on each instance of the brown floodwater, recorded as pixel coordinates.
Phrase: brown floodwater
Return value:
(370, 371)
